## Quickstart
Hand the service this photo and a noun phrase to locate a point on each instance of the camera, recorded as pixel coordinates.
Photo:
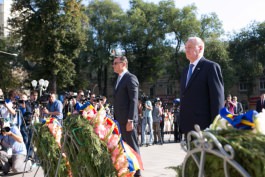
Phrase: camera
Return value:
(69, 95)
(5, 129)
(21, 101)
(4, 126)
(98, 98)
(44, 99)
(144, 98)
(2, 101)
(34, 104)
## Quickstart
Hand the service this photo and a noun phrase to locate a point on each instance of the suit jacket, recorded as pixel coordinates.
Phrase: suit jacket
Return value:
(203, 97)
(238, 109)
(126, 99)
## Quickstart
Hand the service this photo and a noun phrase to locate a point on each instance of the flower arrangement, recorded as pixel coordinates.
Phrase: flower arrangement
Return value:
(125, 160)
(251, 120)
(245, 136)
(90, 144)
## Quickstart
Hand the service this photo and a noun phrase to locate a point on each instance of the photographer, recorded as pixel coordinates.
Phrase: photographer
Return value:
(25, 108)
(35, 107)
(79, 100)
(69, 103)
(54, 108)
(6, 107)
(13, 153)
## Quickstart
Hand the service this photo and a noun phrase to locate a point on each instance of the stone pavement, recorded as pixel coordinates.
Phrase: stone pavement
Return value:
(157, 160)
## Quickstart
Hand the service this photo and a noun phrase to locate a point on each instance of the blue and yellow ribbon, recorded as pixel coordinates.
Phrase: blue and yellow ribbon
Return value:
(242, 121)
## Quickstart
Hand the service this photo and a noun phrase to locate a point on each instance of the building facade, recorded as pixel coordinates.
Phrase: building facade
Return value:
(5, 6)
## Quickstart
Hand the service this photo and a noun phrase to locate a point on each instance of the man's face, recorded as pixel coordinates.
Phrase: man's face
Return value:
(192, 50)
(93, 96)
(52, 98)
(34, 97)
(118, 65)
(24, 97)
(81, 95)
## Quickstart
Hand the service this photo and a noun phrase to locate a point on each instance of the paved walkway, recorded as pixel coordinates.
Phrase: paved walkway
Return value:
(156, 160)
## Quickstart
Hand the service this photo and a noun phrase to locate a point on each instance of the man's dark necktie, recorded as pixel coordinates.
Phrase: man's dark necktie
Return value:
(189, 73)
(118, 80)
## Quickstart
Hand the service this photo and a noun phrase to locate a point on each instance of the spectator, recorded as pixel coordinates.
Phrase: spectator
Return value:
(147, 120)
(156, 114)
(35, 107)
(176, 111)
(162, 121)
(238, 109)
(167, 121)
(260, 103)
(79, 101)
(13, 153)
(54, 108)
(229, 104)
(25, 108)
(7, 111)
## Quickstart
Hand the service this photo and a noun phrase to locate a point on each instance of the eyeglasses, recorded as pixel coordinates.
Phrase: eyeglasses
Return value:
(115, 63)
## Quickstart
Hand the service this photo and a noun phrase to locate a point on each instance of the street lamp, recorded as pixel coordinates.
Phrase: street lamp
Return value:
(43, 85)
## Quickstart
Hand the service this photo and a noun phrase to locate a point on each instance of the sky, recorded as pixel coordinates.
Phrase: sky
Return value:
(234, 14)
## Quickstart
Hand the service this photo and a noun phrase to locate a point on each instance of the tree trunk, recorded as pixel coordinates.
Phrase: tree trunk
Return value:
(105, 88)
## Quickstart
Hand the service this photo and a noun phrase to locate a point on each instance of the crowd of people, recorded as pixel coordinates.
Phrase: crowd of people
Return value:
(156, 120)
(18, 113)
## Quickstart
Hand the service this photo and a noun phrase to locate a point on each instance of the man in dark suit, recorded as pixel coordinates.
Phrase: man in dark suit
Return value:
(260, 103)
(126, 103)
(202, 94)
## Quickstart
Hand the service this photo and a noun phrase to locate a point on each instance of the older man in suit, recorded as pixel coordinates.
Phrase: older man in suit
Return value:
(202, 90)
(126, 103)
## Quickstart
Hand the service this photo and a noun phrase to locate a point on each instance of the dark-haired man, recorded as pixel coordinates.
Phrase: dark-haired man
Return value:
(126, 103)
(54, 108)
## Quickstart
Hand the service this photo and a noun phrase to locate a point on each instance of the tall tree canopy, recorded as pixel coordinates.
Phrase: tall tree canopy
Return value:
(105, 30)
(52, 36)
(248, 53)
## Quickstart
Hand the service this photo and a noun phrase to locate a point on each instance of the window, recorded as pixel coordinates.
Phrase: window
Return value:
(169, 90)
(243, 86)
(262, 84)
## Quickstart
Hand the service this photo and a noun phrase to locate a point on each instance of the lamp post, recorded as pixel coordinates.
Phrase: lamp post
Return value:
(43, 85)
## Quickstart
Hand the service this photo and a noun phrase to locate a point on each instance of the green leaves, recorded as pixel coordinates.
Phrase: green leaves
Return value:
(52, 35)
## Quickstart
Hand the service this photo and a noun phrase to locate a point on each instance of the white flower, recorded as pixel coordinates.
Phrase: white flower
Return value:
(219, 123)
(259, 121)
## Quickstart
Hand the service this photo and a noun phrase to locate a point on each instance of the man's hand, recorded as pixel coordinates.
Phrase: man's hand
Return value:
(45, 111)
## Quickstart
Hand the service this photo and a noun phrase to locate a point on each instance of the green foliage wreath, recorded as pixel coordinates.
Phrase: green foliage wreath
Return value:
(87, 154)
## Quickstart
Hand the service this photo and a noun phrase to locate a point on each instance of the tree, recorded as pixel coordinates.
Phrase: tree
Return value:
(104, 34)
(143, 41)
(7, 65)
(217, 51)
(52, 36)
(211, 26)
(247, 51)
